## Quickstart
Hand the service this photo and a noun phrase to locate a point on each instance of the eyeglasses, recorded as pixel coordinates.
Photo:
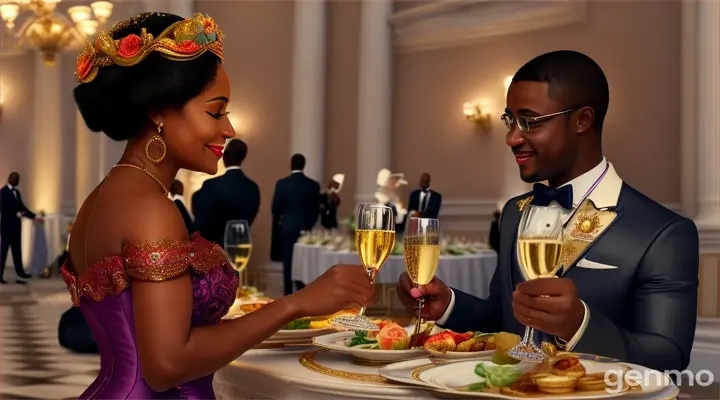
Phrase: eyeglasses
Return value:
(526, 123)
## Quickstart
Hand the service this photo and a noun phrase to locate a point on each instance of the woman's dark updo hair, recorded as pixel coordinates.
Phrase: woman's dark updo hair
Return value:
(118, 101)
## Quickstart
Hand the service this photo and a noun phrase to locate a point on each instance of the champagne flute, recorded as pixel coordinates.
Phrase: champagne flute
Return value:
(422, 254)
(375, 239)
(238, 247)
(540, 247)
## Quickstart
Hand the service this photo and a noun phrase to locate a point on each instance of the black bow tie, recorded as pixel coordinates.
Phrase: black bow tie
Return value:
(425, 190)
(544, 194)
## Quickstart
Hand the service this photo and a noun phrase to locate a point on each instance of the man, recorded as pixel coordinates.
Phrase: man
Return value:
(629, 277)
(330, 201)
(227, 197)
(176, 195)
(424, 202)
(12, 209)
(296, 205)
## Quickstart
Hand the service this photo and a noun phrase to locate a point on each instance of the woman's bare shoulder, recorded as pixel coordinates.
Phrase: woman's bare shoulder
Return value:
(151, 218)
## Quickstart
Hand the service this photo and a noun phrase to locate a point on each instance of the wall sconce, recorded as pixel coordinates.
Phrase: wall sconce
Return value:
(475, 114)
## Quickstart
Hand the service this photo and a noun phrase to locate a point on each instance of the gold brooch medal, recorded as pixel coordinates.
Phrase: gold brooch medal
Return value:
(586, 225)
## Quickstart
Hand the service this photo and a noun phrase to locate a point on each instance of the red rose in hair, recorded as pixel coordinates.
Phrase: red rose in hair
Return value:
(130, 45)
(189, 46)
(84, 66)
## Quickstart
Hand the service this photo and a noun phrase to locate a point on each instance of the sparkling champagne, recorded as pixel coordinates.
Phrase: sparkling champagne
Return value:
(421, 258)
(239, 255)
(540, 258)
(374, 246)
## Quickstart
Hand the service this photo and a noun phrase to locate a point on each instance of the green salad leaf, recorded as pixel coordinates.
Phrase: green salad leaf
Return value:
(498, 376)
(361, 337)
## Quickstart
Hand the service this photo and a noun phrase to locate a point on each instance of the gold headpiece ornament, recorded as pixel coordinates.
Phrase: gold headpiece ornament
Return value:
(182, 41)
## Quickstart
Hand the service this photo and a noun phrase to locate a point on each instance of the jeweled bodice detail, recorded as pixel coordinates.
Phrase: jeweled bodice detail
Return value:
(103, 294)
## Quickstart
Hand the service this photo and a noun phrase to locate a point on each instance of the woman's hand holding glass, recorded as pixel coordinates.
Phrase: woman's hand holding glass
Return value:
(340, 287)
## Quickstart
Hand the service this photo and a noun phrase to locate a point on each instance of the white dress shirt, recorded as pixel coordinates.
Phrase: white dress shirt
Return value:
(423, 195)
(580, 186)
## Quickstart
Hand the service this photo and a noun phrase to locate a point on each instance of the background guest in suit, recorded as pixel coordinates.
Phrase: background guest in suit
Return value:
(12, 209)
(296, 205)
(634, 297)
(227, 197)
(176, 195)
(424, 202)
(494, 238)
(330, 201)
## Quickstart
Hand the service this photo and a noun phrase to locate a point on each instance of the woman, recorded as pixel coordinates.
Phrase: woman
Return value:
(153, 296)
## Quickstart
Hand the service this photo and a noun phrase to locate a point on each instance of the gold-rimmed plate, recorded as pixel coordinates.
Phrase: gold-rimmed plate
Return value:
(461, 355)
(338, 342)
(447, 376)
(295, 334)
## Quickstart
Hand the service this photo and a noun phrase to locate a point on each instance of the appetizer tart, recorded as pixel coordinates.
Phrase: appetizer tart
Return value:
(566, 364)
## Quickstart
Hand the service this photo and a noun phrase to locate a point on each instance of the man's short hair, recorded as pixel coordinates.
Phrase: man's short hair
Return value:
(235, 153)
(297, 162)
(573, 79)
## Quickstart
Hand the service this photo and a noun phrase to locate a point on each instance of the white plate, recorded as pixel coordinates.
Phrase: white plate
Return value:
(451, 377)
(403, 371)
(333, 342)
(460, 355)
(421, 372)
(301, 333)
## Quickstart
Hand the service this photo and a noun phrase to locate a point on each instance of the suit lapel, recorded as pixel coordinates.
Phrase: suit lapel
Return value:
(582, 231)
(591, 219)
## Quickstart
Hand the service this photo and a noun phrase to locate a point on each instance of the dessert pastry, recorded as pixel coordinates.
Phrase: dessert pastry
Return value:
(555, 384)
(591, 382)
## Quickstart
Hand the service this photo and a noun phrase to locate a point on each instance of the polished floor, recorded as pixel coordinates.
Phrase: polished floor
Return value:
(34, 366)
(32, 363)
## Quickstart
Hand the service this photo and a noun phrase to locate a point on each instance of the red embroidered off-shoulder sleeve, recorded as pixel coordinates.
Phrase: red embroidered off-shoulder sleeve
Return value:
(146, 261)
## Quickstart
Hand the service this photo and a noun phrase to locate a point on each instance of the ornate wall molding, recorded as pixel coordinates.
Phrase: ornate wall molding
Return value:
(451, 23)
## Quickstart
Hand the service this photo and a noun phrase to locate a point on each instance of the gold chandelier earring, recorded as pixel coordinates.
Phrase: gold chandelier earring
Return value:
(159, 140)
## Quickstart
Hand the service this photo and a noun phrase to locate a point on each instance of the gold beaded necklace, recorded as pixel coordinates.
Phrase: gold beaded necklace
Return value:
(148, 173)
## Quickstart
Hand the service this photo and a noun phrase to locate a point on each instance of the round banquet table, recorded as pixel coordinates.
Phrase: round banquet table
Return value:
(469, 273)
(278, 374)
(306, 373)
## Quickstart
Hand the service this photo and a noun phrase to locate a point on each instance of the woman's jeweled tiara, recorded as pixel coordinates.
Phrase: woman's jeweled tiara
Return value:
(182, 41)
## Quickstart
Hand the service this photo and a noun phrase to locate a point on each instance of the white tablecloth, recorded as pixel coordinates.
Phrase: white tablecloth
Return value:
(277, 374)
(468, 273)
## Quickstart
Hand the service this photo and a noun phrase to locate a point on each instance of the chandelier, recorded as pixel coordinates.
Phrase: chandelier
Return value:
(49, 31)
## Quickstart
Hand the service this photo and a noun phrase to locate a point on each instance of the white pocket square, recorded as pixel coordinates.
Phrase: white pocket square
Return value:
(585, 263)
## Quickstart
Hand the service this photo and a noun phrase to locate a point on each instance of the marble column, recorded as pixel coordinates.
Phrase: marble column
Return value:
(708, 117)
(374, 136)
(88, 157)
(45, 181)
(307, 133)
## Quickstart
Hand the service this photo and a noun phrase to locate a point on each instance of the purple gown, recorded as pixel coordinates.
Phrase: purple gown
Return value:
(104, 295)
